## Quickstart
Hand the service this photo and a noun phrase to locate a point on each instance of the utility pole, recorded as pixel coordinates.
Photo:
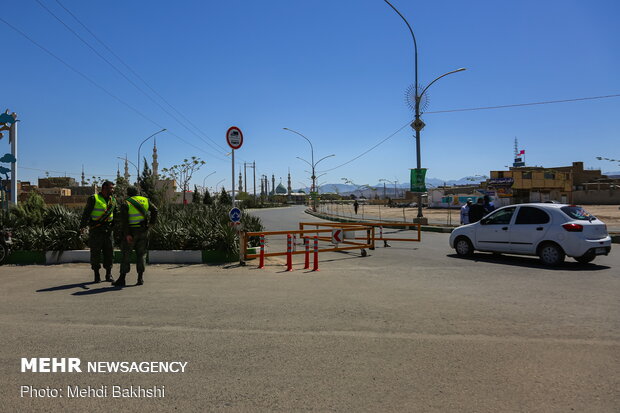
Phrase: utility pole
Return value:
(253, 166)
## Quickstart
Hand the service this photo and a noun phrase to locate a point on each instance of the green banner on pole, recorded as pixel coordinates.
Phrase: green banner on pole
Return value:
(418, 176)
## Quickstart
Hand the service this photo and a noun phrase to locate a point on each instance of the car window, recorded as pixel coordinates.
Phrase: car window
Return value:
(577, 212)
(531, 215)
(499, 217)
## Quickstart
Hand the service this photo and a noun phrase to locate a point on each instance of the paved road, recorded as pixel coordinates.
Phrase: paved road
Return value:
(408, 328)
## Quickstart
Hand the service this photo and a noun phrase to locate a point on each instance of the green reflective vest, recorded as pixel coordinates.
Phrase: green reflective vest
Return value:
(135, 216)
(100, 207)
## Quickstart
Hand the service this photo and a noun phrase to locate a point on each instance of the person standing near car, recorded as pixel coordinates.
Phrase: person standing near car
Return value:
(98, 216)
(476, 211)
(356, 206)
(465, 212)
(488, 205)
(135, 212)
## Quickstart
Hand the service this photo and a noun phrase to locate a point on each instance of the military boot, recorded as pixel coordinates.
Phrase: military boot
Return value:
(108, 275)
(97, 276)
(120, 282)
(140, 279)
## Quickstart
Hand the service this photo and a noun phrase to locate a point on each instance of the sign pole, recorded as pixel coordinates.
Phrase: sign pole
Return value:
(233, 178)
(13, 137)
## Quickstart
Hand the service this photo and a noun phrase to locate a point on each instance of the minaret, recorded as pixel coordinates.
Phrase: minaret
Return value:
(273, 184)
(290, 189)
(240, 183)
(118, 172)
(126, 169)
(155, 163)
(83, 183)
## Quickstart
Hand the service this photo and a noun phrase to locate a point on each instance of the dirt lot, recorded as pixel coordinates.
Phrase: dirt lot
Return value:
(610, 214)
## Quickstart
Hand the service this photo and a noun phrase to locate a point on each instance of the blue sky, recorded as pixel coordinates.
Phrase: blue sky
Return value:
(336, 71)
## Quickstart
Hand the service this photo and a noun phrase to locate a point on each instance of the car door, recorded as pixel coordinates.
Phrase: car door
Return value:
(492, 233)
(528, 229)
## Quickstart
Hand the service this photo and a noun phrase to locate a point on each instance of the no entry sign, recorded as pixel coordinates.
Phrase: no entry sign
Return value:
(234, 137)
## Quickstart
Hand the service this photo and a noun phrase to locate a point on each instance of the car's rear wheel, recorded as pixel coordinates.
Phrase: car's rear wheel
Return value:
(463, 247)
(586, 258)
(551, 254)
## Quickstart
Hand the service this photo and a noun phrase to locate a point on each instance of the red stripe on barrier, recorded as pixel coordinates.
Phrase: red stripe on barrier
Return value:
(289, 255)
(316, 254)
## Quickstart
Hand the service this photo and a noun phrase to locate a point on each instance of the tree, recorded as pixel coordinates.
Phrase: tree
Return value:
(206, 199)
(120, 190)
(183, 173)
(225, 199)
(196, 197)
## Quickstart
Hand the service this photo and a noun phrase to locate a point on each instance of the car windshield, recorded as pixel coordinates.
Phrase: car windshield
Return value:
(577, 212)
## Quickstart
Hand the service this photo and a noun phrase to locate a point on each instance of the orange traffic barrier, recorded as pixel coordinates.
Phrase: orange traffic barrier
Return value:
(307, 260)
(261, 263)
(381, 225)
(316, 254)
(289, 253)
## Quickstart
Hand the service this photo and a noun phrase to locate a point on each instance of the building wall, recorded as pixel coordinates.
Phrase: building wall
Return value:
(604, 197)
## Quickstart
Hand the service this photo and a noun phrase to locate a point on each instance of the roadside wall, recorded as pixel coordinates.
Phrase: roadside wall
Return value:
(599, 197)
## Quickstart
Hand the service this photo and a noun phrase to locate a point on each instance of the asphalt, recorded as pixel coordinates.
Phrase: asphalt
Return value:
(407, 328)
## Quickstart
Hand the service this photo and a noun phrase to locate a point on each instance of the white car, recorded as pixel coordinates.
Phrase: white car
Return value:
(548, 230)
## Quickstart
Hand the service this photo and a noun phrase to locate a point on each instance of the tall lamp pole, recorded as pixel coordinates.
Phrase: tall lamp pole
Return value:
(205, 178)
(312, 163)
(418, 124)
(140, 147)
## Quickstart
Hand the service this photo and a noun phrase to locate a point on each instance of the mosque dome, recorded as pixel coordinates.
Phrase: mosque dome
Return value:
(281, 190)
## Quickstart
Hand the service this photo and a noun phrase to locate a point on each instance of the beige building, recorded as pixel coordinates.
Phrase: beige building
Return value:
(565, 184)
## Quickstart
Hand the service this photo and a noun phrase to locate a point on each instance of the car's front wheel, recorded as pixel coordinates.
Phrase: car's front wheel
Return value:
(463, 247)
(551, 254)
(586, 258)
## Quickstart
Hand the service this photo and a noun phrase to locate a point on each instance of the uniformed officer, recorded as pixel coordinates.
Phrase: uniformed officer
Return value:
(99, 216)
(134, 220)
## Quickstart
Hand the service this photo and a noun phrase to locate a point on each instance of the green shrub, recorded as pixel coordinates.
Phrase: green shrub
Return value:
(192, 227)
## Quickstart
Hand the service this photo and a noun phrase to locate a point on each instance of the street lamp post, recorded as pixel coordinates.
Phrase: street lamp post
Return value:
(205, 178)
(139, 147)
(417, 124)
(312, 163)
(133, 164)
(392, 182)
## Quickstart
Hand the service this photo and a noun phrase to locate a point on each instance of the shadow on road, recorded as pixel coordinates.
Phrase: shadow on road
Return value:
(83, 285)
(529, 262)
(101, 290)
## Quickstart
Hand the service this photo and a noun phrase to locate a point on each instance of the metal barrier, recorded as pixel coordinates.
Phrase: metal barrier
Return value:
(346, 244)
(379, 225)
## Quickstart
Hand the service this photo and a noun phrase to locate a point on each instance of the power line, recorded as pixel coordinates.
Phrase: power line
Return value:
(119, 71)
(524, 104)
(59, 172)
(136, 74)
(364, 153)
(472, 109)
(98, 86)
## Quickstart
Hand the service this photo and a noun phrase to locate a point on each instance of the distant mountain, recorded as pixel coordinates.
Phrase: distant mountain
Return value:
(344, 189)
(612, 174)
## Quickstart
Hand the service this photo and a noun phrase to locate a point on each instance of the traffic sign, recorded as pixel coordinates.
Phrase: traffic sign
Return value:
(418, 125)
(337, 236)
(234, 137)
(235, 214)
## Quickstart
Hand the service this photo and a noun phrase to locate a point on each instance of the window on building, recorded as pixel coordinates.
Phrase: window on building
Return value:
(549, 175)
(531, 216)
(500, 174)
(527, 175)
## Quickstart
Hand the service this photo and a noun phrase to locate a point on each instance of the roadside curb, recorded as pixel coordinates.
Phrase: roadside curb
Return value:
(152, 256)
(615, 238)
